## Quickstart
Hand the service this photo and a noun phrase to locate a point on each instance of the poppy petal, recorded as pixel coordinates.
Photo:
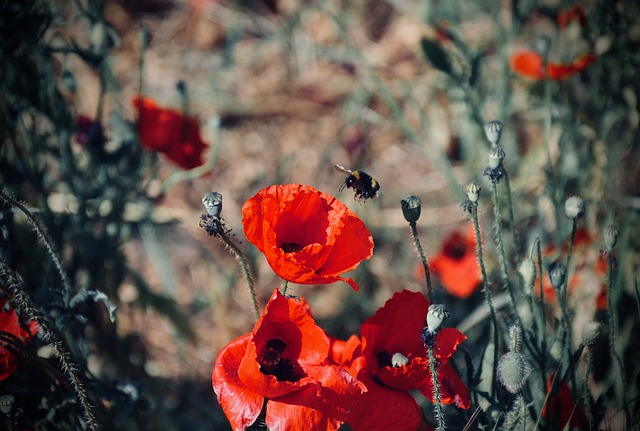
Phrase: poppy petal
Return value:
(290, 417)
(241, 405)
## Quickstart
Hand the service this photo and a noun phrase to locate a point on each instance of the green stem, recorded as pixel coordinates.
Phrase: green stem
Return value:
(284, 286)
(423, 259)
(48, 243)
(613, 328)
(512, 223)
(69, 368)
(567, 336)
(586, 394)
(437, 407)
(245, 268)
(487, 293)
(543, 339)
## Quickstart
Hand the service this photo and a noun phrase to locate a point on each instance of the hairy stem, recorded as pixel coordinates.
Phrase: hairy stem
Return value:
(423, 259)
(245, 268)
(437, 407)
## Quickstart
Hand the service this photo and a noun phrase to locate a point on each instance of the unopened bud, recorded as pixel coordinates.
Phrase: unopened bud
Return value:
(528, 272)
(6, 403)
(473, 192)
(411, 208)
(513, 371)
(496, 156)
(591, 333)
(435, 316)
(574, 207)
(557, 274)
(493, 131)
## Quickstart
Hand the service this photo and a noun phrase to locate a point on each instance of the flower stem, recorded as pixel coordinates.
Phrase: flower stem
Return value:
(586, 394)
(284, 286)
(437, 408)
(485, 289)
(245, 268)
(512, 223)
(567, 336)
(543, 339)
(423, 259)
(504, 270)
(70, 369)
(613, 329)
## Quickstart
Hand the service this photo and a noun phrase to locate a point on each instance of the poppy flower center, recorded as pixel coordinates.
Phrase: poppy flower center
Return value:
(455, 249)
(272, 363)
(291, 247)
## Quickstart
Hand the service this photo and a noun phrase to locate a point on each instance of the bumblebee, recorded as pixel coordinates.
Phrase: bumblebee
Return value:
(365, 186)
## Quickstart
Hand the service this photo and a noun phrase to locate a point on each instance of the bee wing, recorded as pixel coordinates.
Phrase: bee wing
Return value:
(343, 169)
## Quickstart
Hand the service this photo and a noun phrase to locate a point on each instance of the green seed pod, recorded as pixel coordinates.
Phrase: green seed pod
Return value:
(496, 156)
(473, 192)
(557, 274)
(399, 360)
(411, 207)
(610, 236)
(493, 131)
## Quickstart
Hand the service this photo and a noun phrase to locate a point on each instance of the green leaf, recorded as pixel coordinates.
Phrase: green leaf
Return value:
(436, 55)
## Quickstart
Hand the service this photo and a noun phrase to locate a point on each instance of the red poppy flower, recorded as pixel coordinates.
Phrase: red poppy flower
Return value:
(380, 408)
(530, 64)
(12, 337)
(561, 408)
(284, 362)
(457, 266)
(169, 132)
(396, 328)
(307, 236)
(574, 13)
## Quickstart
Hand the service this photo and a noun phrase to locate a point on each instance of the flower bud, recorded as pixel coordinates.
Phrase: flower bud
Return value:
(493, 131)
(528, 272)
(435, 316)
(473, 192)
(513, 371)
(610, 236)
(411, 207)
(399, 360)
(574, 207)
(591, 333)
(557, 274)
(496, 156)
(212, 202)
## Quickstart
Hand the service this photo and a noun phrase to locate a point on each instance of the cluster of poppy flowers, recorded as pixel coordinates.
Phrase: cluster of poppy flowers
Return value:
(287, 373)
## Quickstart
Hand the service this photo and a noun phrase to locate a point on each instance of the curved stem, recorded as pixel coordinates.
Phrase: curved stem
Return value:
(423, 259)
(437, 407)
(245, 268)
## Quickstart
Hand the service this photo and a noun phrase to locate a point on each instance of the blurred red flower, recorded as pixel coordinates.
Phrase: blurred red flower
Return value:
(457, 265)
(89, 132)
(284, 365)
(571, 14)
(381, 408)
(12, 337)
(307, 236)
(396, 328)
(169, 132)
(530, 64)
(561, 408)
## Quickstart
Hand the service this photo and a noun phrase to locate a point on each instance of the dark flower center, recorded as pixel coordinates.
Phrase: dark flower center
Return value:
(291, 247)
(272, 363)
(456, 249)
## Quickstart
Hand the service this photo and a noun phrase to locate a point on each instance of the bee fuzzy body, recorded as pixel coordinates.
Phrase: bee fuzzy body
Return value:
(364, 185)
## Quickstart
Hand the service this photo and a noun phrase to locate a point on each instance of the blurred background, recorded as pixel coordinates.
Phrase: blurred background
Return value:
(282, 90)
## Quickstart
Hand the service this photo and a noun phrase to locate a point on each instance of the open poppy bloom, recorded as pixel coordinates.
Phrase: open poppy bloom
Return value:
(283, 366)
(13, 337)
(380, 408)
(307, 236)
(169, 132)
(456, 264)
(531, 65)
(396, 356)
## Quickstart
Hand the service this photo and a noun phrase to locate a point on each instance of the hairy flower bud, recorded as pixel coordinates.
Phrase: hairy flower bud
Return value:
(513, 371)
(574, 207)
(411, 207)
(493, 131)
(557, 274)
(591, 333)
(473, 192)
(528, 272)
